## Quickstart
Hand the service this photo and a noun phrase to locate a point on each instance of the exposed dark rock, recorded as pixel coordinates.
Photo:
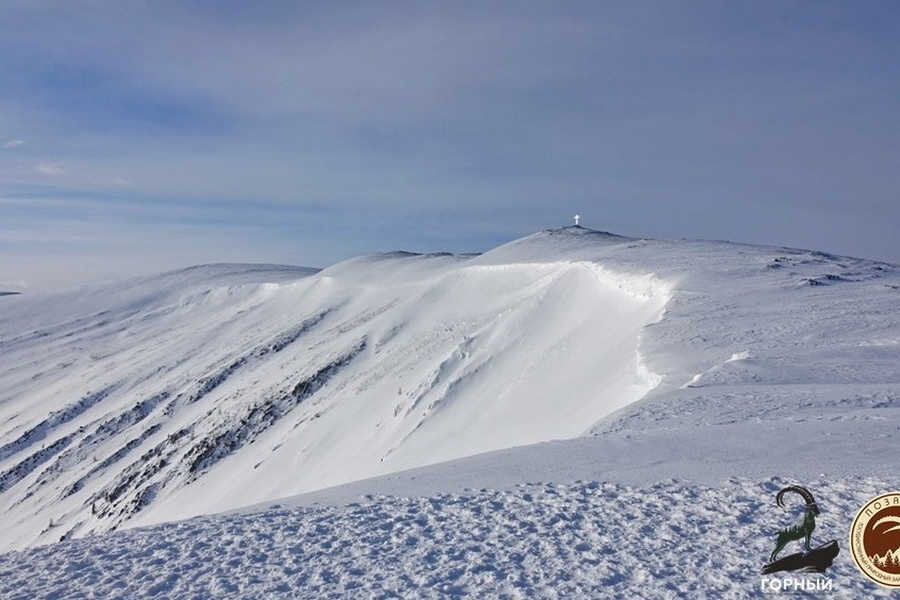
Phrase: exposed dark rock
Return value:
(814, 561)
(54, 419)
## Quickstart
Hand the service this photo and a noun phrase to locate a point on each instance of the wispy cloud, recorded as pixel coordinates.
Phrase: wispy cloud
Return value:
(453, 125)
(50, 169)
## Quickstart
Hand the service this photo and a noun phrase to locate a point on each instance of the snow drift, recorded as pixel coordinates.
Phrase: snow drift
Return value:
(220, 386)
(630, 363)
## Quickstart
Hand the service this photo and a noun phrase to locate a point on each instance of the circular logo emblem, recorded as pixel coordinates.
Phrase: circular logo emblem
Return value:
(875, 539)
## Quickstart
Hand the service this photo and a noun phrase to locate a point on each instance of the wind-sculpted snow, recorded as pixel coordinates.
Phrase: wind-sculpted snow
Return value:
(373, 365)
(261, 417)
(184, 457)
(88, 444)
(215, 387)
(584, 539)
(53, 420)
(110, 460)
(210, 382)
(20, 470)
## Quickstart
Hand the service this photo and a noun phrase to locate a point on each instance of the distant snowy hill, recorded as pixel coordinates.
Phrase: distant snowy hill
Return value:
(221, 386)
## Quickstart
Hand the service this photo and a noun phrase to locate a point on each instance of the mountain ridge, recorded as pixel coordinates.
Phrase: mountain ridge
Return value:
(204, 389)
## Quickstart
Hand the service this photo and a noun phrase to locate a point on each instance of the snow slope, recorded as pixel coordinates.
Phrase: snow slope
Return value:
(215, 387)
(208, 389)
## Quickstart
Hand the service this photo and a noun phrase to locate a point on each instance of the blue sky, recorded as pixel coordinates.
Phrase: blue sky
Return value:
(142, 136)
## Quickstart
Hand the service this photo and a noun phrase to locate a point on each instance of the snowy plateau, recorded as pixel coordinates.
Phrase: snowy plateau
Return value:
(572, 414)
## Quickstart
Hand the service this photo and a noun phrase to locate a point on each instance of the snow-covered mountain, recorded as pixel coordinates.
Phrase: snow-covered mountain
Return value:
(220, 386)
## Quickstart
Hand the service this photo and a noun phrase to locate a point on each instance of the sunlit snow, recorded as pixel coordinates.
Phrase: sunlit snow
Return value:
(569, 355)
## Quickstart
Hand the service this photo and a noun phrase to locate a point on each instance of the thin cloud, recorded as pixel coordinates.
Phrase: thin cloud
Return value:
(14, 143)
(50, 169)
(475, 123)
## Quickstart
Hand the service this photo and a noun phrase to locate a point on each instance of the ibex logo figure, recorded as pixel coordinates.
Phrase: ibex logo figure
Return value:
(810, 560)
(802, 530)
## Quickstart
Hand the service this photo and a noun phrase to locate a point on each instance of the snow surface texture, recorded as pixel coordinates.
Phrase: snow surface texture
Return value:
(627, 361)
(216, 387)
(578, 540)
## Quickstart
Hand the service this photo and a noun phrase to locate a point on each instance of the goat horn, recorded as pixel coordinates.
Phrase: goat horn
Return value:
(802, 491)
